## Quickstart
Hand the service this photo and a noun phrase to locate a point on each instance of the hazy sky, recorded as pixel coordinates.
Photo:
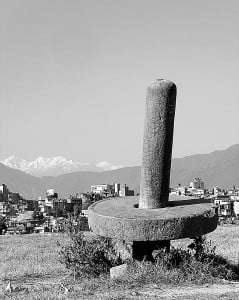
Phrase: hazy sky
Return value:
(73, 75)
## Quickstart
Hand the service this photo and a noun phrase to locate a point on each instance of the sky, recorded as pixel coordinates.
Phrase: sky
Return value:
(73, 76)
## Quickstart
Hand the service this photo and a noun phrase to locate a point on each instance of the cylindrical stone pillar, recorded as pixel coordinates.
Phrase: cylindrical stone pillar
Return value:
(157, 144)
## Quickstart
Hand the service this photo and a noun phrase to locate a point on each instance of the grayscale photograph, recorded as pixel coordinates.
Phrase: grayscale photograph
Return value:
(119, 149)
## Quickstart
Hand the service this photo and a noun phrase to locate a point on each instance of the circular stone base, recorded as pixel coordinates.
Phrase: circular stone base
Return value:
(120, 218)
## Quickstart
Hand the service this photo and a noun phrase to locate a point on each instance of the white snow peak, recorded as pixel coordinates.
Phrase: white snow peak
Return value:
(54, 166)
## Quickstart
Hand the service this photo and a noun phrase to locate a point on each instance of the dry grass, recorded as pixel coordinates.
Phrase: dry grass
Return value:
(29, 256)
(31, 263)
(226, 240)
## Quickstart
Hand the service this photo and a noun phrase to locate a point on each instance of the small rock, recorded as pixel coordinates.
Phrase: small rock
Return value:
(9, 287)
(134, 293)
(118, 272)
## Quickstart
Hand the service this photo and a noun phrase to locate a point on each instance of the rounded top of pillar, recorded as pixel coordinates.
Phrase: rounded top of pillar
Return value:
(161, 83)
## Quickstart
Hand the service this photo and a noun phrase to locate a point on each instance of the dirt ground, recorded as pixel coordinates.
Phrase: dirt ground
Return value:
(225, 290)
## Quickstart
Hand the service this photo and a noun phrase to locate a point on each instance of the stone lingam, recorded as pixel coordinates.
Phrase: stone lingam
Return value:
(148, 222)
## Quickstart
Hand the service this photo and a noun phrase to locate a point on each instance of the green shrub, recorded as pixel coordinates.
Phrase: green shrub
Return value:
(87, 256)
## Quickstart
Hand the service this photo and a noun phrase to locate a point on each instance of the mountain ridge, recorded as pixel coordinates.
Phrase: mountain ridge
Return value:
(218, 168)
(54, 166)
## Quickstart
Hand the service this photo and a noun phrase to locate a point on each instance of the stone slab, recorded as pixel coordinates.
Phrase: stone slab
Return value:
(118, 271)
(121, 218)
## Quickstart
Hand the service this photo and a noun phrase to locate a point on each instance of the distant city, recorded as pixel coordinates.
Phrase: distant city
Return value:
(19, 215)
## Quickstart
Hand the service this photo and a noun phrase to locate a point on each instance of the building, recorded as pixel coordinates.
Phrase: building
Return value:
(236, 208)
(180, 190)
(116, 188)
(14, 197)
(106, 190)
(216, 191)
(125, 191)
(225, 206)
(31, 205)
(74, 204)
(41, 204)
(3, 193)
(197, 183)
(196, 192)
(51, 198)
(4, 208)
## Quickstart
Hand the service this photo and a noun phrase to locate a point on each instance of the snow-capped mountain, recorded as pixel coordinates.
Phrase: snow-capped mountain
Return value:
(54, 166)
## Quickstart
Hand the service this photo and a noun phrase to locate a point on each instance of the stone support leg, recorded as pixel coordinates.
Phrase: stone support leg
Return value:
(144, 250)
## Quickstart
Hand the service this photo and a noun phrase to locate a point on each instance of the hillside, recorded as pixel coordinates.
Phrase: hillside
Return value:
(18, 181)
(32, 187)
(217, 168)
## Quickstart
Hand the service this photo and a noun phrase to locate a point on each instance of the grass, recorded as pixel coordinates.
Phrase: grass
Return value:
(29, 256)
(226, 240)
(31, 264)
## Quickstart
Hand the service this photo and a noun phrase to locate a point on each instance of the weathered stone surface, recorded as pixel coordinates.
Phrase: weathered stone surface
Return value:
(118, 271)
(157, 144)
(124, 250)
(128, 250)
(150, 221)
(120, 218)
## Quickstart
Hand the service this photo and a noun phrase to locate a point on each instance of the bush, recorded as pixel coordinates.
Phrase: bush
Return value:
(87, 256)
(198, 265)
